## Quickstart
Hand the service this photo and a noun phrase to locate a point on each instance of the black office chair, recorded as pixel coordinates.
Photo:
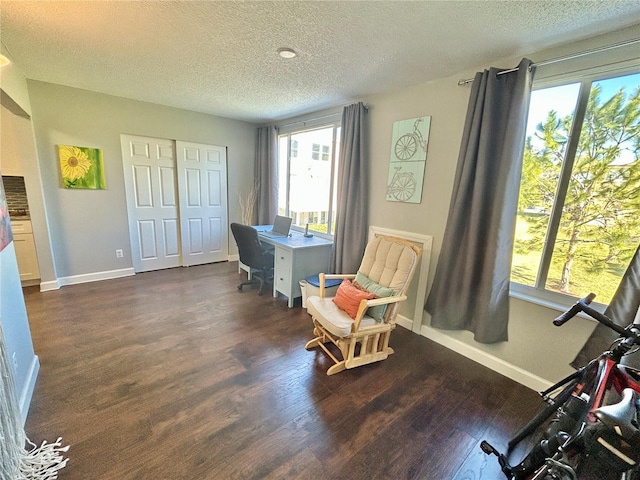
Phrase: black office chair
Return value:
(253, 255)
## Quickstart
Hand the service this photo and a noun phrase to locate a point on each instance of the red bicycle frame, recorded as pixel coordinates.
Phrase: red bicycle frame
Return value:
(610, 375)
(586, 391)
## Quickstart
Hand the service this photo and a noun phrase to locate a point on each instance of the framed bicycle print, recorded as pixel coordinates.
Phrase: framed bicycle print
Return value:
(409, 143)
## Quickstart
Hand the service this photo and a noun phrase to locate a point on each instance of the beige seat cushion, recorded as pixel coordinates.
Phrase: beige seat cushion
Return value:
(323, 309)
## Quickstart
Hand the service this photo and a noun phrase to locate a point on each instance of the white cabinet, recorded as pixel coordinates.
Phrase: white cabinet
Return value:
(292, 264)
(296, 257)
(282, 272)
(25, 250)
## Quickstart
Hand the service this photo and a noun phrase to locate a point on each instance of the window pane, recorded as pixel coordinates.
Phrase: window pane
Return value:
(600, 225)
(551, 114)
(309, 180)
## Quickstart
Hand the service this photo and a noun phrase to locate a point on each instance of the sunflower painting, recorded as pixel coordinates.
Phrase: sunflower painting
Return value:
(81, 167)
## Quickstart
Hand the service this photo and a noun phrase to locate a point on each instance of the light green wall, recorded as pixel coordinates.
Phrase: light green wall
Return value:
(15, 327)
(87, 226)
(13, 313)
(534, 345)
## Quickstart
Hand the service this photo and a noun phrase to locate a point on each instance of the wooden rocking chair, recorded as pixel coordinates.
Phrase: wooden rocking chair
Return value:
(386, 269)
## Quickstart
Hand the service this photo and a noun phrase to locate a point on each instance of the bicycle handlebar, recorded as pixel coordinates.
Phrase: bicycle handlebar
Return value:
(574, 310)
(582, 305)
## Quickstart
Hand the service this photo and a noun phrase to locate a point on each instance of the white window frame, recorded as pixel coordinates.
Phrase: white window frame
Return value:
(538, 294)
(289, 132)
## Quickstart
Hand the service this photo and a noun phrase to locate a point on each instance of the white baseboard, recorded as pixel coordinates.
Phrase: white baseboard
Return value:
(496, 364)
(48, 286)
(29, 386)
(96, 276)
(404, 322)
(234, 258)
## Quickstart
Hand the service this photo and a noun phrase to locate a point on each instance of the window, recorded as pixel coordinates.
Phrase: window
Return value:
(316, 150)
(325, 153)
(578, 221)
(306, 185)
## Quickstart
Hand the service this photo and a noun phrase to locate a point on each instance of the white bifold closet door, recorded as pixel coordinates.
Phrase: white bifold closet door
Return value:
(202, 193)
(176, 201)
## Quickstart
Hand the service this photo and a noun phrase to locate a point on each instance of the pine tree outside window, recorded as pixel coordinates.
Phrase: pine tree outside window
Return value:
(578, 219)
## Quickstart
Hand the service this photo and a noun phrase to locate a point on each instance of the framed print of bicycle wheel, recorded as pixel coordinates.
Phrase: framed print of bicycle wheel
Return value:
(409, 143)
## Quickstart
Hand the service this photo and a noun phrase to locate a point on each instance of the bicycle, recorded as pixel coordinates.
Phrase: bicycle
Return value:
(407, 145)
(402, 185)
(594, 431)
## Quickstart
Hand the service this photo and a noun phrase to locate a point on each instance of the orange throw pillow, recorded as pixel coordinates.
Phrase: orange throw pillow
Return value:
(348, 297)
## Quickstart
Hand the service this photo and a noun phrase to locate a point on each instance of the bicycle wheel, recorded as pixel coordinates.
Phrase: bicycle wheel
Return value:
(406, 147)
(403, 187)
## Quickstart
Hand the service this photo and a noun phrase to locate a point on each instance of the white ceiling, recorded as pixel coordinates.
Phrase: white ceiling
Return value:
(220, 57)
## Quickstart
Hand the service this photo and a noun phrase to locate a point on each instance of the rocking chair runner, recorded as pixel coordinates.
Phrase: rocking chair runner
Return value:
(388, 262)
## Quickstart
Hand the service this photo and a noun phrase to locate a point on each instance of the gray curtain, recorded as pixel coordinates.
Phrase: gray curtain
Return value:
(471, 285)
(266, 175)
(352, 211)
(622, 310)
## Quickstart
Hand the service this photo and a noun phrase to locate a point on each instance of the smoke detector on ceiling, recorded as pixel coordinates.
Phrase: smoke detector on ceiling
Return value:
(287, 52)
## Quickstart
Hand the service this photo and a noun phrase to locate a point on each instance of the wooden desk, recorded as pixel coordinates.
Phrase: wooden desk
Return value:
(295, 258)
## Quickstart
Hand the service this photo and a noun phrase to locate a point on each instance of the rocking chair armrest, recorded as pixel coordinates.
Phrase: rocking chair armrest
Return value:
(322, 276)
(365, 304)
(385, 300)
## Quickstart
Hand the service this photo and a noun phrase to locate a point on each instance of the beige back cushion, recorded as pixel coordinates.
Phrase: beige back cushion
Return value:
(389, 262)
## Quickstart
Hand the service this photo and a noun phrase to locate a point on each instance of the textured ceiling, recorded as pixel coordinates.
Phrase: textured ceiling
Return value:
(220, 57)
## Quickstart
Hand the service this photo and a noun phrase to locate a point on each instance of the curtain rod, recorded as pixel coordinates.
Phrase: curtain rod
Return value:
(304, 122)
(562, 59)
(309, 120)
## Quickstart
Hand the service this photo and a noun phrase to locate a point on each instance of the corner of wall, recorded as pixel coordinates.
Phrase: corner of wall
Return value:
(14, 84)
(27, 391)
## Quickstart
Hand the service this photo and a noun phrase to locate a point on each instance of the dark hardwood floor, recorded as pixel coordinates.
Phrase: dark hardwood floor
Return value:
(176, 375)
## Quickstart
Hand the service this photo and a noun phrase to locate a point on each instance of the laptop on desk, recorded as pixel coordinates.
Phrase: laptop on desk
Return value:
(281, 227)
